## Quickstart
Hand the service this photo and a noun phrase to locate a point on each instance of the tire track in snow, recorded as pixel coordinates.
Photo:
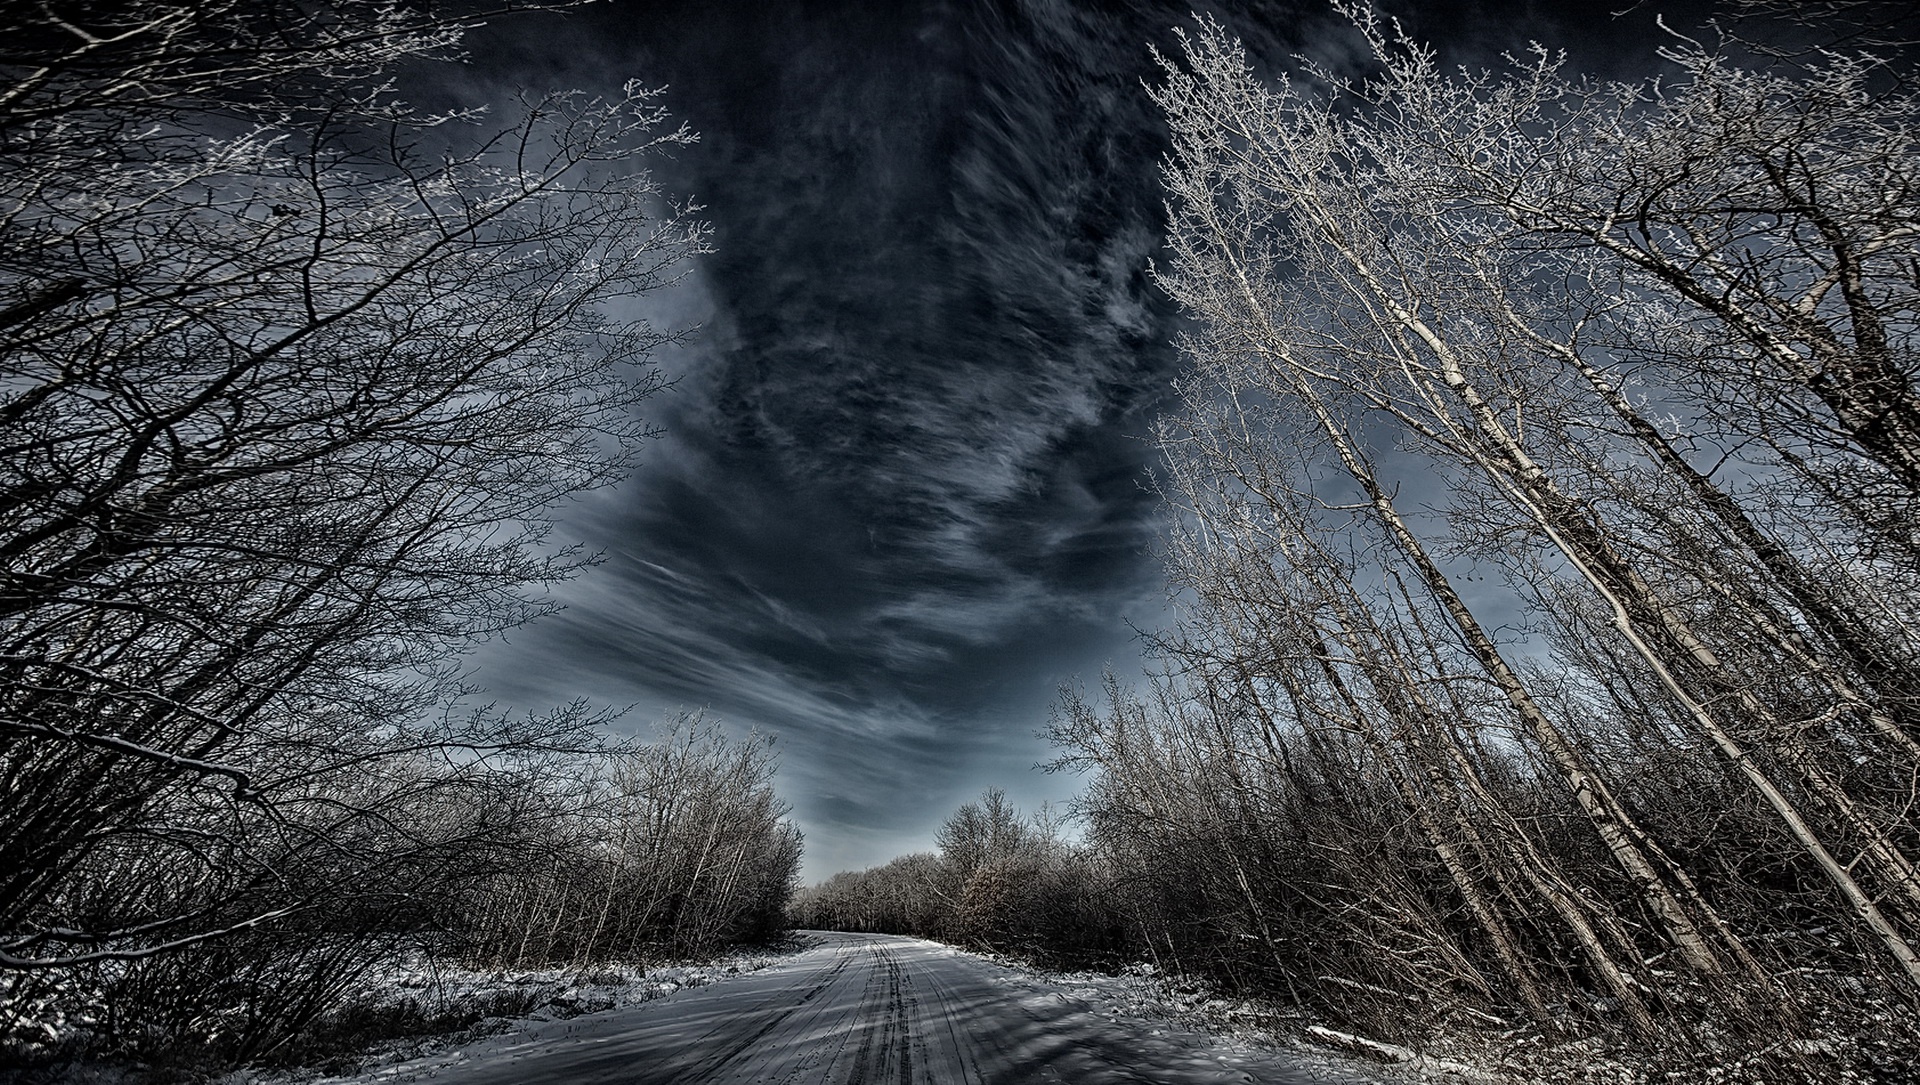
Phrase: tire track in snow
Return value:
(885, 1056)
(858, 1074)
(709, 1067)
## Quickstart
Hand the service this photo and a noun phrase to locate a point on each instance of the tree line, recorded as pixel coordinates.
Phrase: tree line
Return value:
(1543, 534)
(1000, 882)
(292, 374)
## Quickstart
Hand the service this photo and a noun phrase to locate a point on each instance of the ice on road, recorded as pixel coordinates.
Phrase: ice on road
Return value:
(859, 1009)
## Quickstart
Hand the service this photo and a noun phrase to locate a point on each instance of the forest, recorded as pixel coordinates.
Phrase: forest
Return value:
(1542, 496)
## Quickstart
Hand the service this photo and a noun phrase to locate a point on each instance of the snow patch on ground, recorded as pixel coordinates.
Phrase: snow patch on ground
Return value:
(1506, 1054)
(1143, 993)
(548, 995)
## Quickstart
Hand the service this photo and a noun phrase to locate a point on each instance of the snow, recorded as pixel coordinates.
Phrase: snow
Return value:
(860, 1008)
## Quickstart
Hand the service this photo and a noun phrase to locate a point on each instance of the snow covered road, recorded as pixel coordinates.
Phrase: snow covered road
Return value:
(859, 1009)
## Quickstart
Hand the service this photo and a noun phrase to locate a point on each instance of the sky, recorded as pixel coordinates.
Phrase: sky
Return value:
(904, 489)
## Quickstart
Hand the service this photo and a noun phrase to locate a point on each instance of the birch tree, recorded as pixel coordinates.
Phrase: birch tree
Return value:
(1548, 299)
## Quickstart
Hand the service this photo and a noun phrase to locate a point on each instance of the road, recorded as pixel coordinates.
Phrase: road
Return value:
(865, 1010)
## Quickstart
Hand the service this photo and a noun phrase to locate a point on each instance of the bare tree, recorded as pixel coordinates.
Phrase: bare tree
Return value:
(1406, 255)
(291, 375)
(674, 848)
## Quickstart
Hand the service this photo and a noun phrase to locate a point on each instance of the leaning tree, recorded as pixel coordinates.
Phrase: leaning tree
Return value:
(1644, 352)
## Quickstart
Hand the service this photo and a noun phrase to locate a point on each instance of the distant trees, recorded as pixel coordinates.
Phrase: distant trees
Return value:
(912, 894)
(1000, 882)
(292, 373)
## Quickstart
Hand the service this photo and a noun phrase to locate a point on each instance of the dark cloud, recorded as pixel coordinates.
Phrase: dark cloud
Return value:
(901, 499)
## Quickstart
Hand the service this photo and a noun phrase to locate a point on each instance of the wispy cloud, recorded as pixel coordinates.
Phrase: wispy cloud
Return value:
(901, 499)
